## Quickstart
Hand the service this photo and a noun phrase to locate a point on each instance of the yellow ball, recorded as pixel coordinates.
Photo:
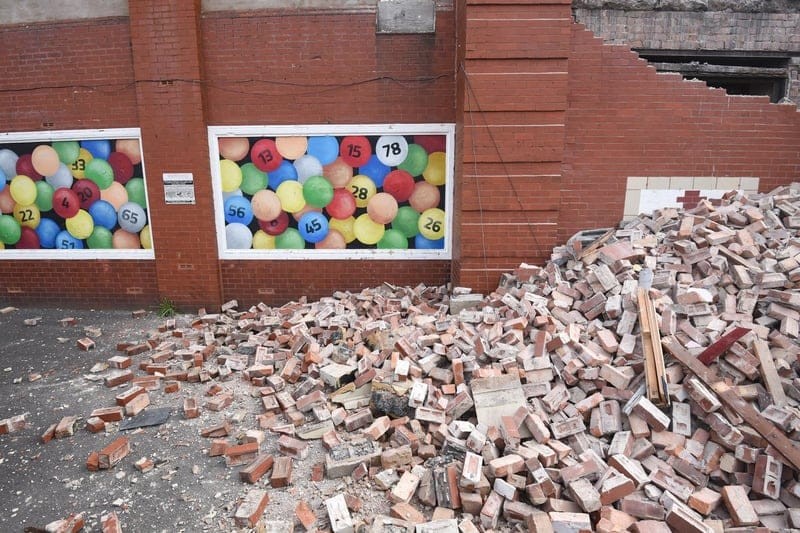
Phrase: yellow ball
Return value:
(231, 175)
(362, 188)
(23, 190)
(27, 215)
(81, 225)
(263, 241)
(146, 237)
(436, 171)
(431, 224)
(78, 167)
(367, 230)
(290, 193)
(345, 227)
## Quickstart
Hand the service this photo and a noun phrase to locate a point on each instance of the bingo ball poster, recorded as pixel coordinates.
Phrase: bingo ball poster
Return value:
(334, 192)
(67, 195)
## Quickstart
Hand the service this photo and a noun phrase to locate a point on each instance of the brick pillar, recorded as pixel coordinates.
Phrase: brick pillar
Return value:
(513, 75)
(165, 39)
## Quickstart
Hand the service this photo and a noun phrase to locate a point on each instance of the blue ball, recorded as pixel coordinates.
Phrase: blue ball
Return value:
(47, 231)
(313, 227)
(285, 172)
(325, 148)
(375, 170)
(100, 149)
(103, 214)
(3, 180)
(421, 243)
(65, 241)
(238, 209)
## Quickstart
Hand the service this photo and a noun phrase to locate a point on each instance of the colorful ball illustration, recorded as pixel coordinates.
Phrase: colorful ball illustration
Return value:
(313, 227)
(382, 208)
(306, 209)
(238, 236)
(99, 148)
(375, 170)
(393, 239)
(324, 147)
(253, 179)
(88, 192)
(317, 191)
(391, 149)
(27, 215)
(45, 160)
(290, 194)
(28, 240)
(23, 190)
(355, 150)
(104, 214)
(432, 224)
(131, 217)
(421, 243)
(284, 172)
(124, 240)
(66, 203)
(307, 166)
(136, 192)
(338, 173)
(8, 162)
(231, 175)
(3, 180)
(6, 201)
(431, 143)
(10, 230)
(234, 148)
(25, 167)
(291, 147)
(81, 225)
(68, 151)
(436, 171)
(44, 196)
(363, 189)
(265, 155)
(78, 167)
(238, 209)
(290, 240)
(101, 238)
(343, 204)
(65, 241)
(263, 241)
(343, 227)
(62, 178)
(122, 167)
(416, 161)
(275, 226)
(367, 231)
(406, 221)
(333, 241)
(424, 196)
(266, 205)
(130, 147)
(47, 231)
(146, 237)
(399, 184)
(116, 195)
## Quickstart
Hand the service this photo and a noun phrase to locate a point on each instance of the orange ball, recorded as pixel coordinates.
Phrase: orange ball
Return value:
(130, 147)
(382, 208)
(6, 201)
(115, 194)
(234, 148)
(333, 241)
(125, 240)
(425, 196)
(338, 173)
(266, 205)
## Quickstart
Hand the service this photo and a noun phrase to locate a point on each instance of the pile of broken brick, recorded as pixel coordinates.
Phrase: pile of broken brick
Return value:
(531, 408)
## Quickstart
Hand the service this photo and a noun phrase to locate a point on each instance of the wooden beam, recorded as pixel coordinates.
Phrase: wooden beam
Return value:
(721, 345)
(655, 378)
(768, 373)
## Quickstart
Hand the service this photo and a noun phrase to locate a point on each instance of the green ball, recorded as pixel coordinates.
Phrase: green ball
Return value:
(393, 240)
(416, 160)
(44, 196)
(135, 188)
(100, 172)
(290, 240)
(68, 151)
(100, 238)
(253, 180)
(406, 221)
(318, 191)
(10, 230)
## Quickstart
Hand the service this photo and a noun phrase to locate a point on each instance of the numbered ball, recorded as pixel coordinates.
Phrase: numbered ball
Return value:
(344, 227)
(393, 240)
(363, 189)
(284, 172)
(399, 184)
(47, 231)
(276, 226)
(391, 149)
(122, 167)
(45, 160)
(431, 224)
(65, 241)
(333, 241)
(342, 205)
(66, 203)
(68, 151)
(290, 240)
(6, 201)
(431, 143)
(10, 230)
(99, 148)
(382, 208)
(78, 167)
(8, 162)
(238, 236)
(421, 243)
(306, 209)
(124, 240)
(266, 205)
(25, 167)
(265, 155)
(62, 178)
(81, 225)
(313, 227)
(23, 190)
(131, 217)
(338, 173)
(104, 214)
(230, 174)
(416, 161)
(435, 173)
(88, 192)
(27, 215)
(44, 196)
(136, 192)
(324, 147)
(291, 147)
(116, 195)
(317, 191)
(307, 166)
(146, 237)
(263, 241)
(368, 231)
(234, 148)
(253, 180)
(238, 209)
(355, 151)
(130, 147)
(376, 170)
(406, 221)
(425, 196)
(101, 238)
(28, 239)
(290, 194)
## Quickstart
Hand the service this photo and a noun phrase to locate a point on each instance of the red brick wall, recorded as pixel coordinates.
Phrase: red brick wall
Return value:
(624, 120)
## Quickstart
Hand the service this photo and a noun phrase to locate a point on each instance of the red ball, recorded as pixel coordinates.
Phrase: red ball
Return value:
(88, 192)
(265, 156)
(277, 226)
(66, 203)
(431, 143)
(343, 204)
(399, 184)
(25, 167)
(29, 240)
(122, 166)
(355, 151)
